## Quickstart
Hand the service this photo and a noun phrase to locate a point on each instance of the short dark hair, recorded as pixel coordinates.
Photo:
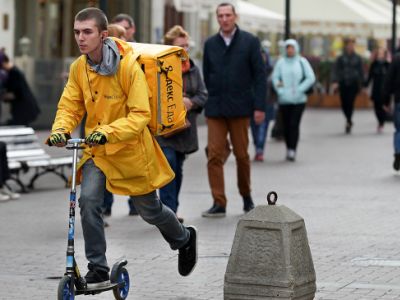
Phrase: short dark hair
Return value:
(348, 40)
(123, 17)
(226, 4)
(93, 13)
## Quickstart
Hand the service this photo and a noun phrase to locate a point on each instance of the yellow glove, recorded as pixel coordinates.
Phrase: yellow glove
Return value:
(96, 138)
(58, 139)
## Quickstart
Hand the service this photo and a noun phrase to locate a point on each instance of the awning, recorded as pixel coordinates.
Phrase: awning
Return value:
(255, 18)
(251, 17)
(195, 5)
(368, 18)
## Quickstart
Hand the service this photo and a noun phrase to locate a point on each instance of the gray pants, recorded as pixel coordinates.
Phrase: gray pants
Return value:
(148, 206)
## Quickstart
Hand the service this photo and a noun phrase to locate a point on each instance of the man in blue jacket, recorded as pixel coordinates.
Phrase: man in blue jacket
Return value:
(234, 74)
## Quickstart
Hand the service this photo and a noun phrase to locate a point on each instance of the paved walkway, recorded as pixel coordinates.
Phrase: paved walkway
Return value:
(342, 185)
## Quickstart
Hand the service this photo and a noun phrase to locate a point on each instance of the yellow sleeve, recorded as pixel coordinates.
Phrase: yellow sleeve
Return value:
(71, 107)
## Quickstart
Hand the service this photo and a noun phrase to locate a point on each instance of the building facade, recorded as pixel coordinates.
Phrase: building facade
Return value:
(38, 36)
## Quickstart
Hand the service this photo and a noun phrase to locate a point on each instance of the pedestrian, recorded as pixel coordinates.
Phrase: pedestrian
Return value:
(377, 72)
(292, 77)
(348, 77)
(5, 192)
(122, 154)
(391, 86)
(117, 31)
(24, 107)
(277, 128)
(179, 145)
(127, 22)
(234, 74)
(3, 78)
(259, 131)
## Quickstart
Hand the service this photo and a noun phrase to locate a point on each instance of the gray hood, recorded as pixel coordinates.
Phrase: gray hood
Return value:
(111, 57)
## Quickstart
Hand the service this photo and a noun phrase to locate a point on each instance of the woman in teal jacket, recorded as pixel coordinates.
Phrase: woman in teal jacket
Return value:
(292, 77)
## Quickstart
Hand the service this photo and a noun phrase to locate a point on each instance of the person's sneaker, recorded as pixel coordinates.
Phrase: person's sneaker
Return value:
(187, 257)
(215, 211)
(259, 157)
(291, 155)
(6, 191)
(4, 197)
(97, 278)
(379, 130)
(133, 213)
(396, 163)
(248, 204)
(348, 127)
(107, 212)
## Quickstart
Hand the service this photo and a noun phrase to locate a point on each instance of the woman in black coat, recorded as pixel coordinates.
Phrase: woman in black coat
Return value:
(377, 73)
(24, 108)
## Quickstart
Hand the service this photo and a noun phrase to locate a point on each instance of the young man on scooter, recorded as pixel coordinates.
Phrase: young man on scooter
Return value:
(122, 155)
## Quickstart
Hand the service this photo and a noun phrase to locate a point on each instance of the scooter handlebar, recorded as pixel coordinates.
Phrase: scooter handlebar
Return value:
(76, 141)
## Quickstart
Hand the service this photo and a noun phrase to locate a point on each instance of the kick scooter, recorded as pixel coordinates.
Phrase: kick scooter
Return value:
(72, 283)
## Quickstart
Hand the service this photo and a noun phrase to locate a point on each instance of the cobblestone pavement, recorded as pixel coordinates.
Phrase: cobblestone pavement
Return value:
(342, 185)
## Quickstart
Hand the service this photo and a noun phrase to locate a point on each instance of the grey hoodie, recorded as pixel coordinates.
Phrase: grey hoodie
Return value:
(110, 61)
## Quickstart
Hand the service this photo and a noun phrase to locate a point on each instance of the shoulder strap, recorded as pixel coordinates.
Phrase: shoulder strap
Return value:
(302, 69)
(134, 57)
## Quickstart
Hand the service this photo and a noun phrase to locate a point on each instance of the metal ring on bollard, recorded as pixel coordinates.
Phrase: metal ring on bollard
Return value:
(272, 197)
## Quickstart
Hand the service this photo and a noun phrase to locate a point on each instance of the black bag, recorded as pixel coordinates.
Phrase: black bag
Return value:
(310, 90)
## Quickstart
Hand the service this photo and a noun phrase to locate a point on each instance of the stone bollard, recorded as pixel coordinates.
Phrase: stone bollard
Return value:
(270, 257)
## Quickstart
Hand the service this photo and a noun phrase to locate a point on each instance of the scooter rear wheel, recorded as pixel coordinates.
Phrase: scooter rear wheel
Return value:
(121, 276)
(64, 291)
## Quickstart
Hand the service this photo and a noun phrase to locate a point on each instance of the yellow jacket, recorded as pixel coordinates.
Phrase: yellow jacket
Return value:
(132, 161)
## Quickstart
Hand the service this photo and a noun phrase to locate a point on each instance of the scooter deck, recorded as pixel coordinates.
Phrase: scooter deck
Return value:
(92, 290)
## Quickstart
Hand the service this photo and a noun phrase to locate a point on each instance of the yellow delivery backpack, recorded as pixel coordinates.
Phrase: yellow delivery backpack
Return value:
(162, 65)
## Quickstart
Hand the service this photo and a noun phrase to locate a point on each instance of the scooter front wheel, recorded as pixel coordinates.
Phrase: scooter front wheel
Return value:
(64, 291)
(121, 276)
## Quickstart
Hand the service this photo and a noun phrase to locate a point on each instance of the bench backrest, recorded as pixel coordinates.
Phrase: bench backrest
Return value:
(22, 144)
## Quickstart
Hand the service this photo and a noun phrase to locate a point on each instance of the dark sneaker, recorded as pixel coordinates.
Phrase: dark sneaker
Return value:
(348, 127)
(215, 211)
(107, 212)
(187, 258)
(291, 155)
(396, 163)
(248, 204)
(97, 278)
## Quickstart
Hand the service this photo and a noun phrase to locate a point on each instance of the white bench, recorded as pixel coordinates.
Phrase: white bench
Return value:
(25, 152)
